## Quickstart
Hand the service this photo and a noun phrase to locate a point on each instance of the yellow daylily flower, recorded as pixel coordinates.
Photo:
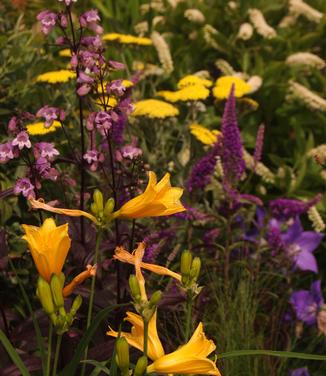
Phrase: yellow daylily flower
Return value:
(123, 255)
(49, 246)
(159, 199)
(40, 204)
(190, 358)
(136, 337)
(224, 84)
(204, 135)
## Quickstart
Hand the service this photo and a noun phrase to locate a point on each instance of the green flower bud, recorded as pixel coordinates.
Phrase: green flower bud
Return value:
(98, 199)
(155, 298)
(62, 279)
(186, 260)
(45, 296)
(141, 366)
(195, 268)
(134, 287)
(56, 288)
(109, 207)
(122, 351)
(94, 208)
(76, 305)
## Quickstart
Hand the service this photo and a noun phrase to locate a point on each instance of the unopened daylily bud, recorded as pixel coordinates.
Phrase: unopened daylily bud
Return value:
(98, 199)
(76, 305)
(155, 298)
(56, 289)
(134, 287)
(186, 260)
(141, 366)
(45, 296)
(195, 268)
(109, 207)
(122, 350)
(94, 208)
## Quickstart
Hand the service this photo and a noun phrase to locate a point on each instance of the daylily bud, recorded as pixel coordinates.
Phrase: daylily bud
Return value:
(94, 208)
(56, 288)
(45, 296)
(98, 199)
(141, 366)
(195, 268)
(109, 207)
(186, 260)
(76, 305)
(134, 287)
(122, 349)
(155, 298)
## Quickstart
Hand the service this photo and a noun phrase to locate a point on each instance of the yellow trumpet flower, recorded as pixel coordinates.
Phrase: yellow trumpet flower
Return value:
(123, 255)
(136, 337)
(159, 199)
(49, 246)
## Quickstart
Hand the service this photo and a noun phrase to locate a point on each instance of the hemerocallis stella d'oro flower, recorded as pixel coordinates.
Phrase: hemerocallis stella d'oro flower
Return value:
(49, 246)
(136, 337)
(190, 358)
(159, 199)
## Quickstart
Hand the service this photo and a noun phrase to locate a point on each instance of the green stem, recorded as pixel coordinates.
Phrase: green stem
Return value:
(145, 337)
(188, 316)
(48, 363)
(280, 354)
(92, 293)
(56, 355)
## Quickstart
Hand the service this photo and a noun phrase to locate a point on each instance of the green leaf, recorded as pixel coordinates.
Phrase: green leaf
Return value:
(280, 354)
(13, 354)
(71, 368)
(99, 367)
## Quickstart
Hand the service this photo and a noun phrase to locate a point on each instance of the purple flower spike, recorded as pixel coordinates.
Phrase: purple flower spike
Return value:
(299, 372)
(283, 208)
(306, 304)
(48, 21)
(232, 158)
(25, 187)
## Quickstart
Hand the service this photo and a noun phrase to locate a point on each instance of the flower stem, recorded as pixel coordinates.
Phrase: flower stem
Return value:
(188, 329)
(56, 355)
(92, 293)
(146, 322)
(48, 363)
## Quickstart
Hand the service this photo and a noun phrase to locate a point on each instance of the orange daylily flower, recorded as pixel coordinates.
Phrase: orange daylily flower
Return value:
(123, 255)
(159, 199)
(79, 279)
(49, 246)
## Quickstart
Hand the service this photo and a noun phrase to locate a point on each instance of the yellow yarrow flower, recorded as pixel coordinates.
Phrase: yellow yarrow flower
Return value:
(193, 80)
(127, 39)
(224, 84)
(204, 135)
(55, 77)
(188, 93)
(49, 246)
(65, 53)
(159, 199)
(154, 108)
(38, 129)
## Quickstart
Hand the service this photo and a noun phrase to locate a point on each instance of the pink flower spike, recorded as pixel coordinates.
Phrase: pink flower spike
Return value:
(22, 140)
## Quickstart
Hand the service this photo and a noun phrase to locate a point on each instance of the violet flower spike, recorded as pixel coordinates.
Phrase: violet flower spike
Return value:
(232, 156)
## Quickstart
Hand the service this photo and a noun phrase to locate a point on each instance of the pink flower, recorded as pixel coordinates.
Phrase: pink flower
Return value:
(50, 114)
(68, 2)
(103, 121)
(45, 150)
(25, 187)
(22, 140)
(116, 88)
(89, 19)
(12, 125)
(48, 20)
(6, 152)
(116, 65)
(93, 157)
